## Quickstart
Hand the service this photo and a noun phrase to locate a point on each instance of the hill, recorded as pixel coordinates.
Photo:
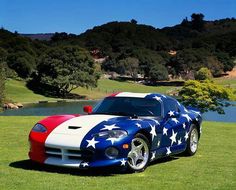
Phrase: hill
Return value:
(39, 36)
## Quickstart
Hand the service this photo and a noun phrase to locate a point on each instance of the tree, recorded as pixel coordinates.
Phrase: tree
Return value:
(158, 72)
(224, 58)
(197, 21)
(203, 74)
(205, 95)
(3, 55)
(63, 69)
(129, 65)
(133, 21)
(22, 62)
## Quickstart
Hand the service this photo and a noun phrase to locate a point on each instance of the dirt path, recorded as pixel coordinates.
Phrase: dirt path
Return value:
(231, 74)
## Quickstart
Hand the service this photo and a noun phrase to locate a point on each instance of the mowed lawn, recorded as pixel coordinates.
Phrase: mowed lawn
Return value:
(106, 86)
(17, 91)
(213, 167)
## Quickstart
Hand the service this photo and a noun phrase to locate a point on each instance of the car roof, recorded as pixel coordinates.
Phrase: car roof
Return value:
(138, 95)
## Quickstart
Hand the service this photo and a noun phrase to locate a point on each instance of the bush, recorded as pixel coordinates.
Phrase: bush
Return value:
(206, 95)
(203, 74)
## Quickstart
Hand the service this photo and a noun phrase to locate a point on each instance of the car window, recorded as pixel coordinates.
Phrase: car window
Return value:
(171, 105)
(129, 106)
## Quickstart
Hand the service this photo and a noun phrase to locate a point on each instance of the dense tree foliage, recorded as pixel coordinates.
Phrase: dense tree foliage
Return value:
(129, 48)
(3, 55)
(206, 95)
(62, 69)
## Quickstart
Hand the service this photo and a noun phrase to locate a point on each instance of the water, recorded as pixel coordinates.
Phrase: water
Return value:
(45, 109)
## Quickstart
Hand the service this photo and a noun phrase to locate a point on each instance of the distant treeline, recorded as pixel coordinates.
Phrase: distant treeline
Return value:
(65, 62)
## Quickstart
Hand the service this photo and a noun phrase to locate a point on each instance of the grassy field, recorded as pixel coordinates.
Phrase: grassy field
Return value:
(213, 167)
(106, 86)
(227, 82)
(18, 92)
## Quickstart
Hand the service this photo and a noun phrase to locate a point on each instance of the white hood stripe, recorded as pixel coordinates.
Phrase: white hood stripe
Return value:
(64, 137)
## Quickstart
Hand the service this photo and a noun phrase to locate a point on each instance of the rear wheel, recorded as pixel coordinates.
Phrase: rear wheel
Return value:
(192, 142)
(139, 155)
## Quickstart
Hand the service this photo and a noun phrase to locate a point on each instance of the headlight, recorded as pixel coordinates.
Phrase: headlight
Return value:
(39, 128)
(111, 134)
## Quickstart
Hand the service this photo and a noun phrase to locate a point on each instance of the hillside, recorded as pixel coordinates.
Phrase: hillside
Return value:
(39, 36)
(138, 51)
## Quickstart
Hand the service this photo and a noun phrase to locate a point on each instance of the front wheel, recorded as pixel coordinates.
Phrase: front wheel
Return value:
(192, 142)
(139, 155)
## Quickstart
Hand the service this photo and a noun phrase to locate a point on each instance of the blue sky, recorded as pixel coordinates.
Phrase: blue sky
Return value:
(76, 16)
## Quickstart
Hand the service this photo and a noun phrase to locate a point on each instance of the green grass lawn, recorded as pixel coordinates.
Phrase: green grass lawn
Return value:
(106, 86)
(18, 92)
(213, 167)
(227, 82)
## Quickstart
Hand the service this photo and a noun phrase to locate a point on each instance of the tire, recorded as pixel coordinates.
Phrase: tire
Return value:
(192, 142)
(139, 155)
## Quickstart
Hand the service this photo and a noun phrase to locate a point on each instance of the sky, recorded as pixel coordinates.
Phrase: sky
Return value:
(76, 16)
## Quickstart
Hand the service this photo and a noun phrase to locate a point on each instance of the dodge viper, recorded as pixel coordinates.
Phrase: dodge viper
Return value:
(128, 130)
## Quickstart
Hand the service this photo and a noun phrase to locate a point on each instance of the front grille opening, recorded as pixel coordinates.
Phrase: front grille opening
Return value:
(74, 151)
(72, 154)
(49, 149)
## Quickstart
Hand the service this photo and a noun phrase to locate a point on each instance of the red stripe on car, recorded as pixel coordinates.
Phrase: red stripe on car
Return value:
(37, 139)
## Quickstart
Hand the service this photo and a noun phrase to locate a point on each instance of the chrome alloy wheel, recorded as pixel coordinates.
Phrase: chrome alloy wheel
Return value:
(139, 154)
(194, 140)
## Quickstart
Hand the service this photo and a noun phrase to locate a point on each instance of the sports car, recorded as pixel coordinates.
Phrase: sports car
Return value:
(128, 130)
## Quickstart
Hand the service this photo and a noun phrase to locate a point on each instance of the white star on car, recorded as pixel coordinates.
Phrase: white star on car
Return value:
(123, 161)
(186, 136)
(175, 120)
(179, 141)
(186, 110)
(184, 125)
(153, 156)
(168, 152)
(165, 131)
(153, 131)
(84, 164)
(138, 125)
(163, 96)
(157, 98)
(112, 140)
(187, 117)
(92, 142)
(170, 113)
(173, 137)
(110, 127)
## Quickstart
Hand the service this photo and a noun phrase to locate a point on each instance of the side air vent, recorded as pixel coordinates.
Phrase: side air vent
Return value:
(74, 127)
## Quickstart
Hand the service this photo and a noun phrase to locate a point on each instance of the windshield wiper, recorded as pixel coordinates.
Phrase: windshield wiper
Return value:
(132, 115)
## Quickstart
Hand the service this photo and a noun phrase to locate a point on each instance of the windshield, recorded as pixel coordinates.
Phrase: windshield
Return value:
(128, 106)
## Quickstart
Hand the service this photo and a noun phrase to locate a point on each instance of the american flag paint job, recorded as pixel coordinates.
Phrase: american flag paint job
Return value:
(78, 146)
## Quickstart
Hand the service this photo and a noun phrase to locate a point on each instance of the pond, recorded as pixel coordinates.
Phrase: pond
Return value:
(44, 109)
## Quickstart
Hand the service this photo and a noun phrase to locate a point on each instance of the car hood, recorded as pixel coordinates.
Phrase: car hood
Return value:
(71, 133)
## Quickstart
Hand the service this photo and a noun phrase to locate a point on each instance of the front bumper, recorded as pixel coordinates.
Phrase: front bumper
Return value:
(60, 155)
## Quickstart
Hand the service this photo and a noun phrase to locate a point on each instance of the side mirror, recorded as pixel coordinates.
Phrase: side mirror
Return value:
(88, 109)
(172, 114)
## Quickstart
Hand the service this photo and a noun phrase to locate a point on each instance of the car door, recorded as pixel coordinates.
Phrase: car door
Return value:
(172, 128)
